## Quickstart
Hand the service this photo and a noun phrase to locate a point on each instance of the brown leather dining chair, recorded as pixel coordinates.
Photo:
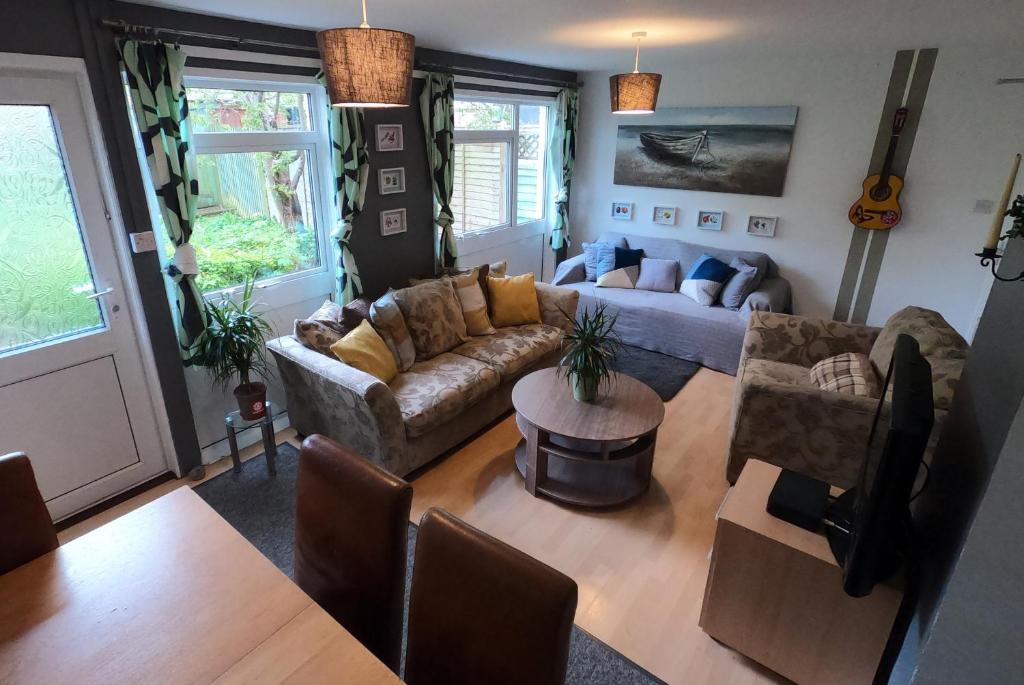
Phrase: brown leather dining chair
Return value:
(484, 612)
(351, 542)
(26, 529)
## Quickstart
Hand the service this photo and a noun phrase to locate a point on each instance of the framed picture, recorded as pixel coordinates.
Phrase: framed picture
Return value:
(391, 181)
(665, 215)
(389, 138)
(762, 225)
(622, 211)
(392, 222)
(710, 220)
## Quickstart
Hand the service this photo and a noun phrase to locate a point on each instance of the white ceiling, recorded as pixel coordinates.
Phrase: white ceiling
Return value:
(595, 34)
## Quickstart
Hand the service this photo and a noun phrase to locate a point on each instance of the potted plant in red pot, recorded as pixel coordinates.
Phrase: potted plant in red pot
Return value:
(234, 347)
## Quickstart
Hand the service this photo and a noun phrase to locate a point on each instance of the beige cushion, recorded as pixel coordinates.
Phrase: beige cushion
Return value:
(850, 373)
(387, 318)
(439, 389)
(474, 304)
(945, 376)
(938, 340)
(323, 328)
(511, 349)
(433, 316)
(767, 372)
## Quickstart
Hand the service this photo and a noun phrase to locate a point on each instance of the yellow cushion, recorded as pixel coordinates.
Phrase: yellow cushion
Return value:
(474, 306)
(364, 349)
(513, 300)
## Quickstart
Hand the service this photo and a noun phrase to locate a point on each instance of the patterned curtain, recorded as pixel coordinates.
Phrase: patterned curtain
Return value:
(437, 104)
(350, 159)
(563, 160)
(154, 72)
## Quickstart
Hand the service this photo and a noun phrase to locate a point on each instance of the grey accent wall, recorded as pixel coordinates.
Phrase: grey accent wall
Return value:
(973, 450)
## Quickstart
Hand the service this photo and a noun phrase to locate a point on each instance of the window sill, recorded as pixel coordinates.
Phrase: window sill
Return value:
(496, 237)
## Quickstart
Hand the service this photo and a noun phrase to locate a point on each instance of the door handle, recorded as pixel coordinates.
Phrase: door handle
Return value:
(100, 294)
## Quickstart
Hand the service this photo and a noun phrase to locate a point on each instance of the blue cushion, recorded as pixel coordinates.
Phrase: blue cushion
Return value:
(705, 279)
(598, 259)
(624, 257)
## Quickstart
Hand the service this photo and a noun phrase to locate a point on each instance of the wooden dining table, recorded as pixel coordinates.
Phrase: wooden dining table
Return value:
(169, 593)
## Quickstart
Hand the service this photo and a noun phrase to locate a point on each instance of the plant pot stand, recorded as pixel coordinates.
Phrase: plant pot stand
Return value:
(234, 422)
(593, 454)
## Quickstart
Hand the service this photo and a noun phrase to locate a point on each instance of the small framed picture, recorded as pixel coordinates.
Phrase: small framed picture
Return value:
(392, 222)
(389, 138)
(762, 225)
(391, 181)
(710, 220)
(622, 211)
(665, 215)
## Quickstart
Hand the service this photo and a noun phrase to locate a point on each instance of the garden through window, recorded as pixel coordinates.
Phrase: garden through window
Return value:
(500, 164)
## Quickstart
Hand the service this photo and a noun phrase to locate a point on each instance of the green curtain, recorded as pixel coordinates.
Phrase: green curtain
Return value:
(437, 104)
(563, 160)
(350, 160)
(154, 73)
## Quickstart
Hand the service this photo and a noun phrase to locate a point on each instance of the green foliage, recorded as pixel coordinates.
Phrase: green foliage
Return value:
(1016, 212)
(590, 350)
(231, 248)
(234, 344)
(482, 116)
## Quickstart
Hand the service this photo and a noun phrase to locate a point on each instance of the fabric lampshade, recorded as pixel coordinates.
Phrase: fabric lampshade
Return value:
(367, 67)
(635, 93)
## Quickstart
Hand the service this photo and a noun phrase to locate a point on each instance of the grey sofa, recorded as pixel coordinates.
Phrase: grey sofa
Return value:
(672, 323)
(433, 406)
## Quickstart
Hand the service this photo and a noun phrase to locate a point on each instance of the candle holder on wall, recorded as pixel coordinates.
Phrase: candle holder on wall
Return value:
(990, 256)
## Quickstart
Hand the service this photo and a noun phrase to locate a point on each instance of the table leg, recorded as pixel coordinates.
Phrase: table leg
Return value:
(645, 461)
(536, 460)
(269, 444)
(233, 445)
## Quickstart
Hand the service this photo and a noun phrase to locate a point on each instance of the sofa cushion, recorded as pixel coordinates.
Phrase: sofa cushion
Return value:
(658, 275)
(512, 349)
(937, 339)
(599, 258)
(767, 372)
(625, 257)
(322, 328)
(439, 389)
(364, 349)
(387, 318)
(474, 303)
(433, 316)
(705, 279)
(850, 373)
(513, 300)
(743, 282)
(626, 277)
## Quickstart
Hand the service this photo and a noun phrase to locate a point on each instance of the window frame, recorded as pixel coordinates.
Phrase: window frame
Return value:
(286, 289)
(512, 229)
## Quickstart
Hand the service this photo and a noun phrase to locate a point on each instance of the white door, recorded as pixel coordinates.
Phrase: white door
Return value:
(73, 394)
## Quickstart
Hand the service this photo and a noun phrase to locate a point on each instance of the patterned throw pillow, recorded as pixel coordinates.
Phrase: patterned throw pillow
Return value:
(849, 373)
(626, 277)
(598, 258)
(433, 316)
(322, 328)
(474, 305)
(388, 321)
(705, 280)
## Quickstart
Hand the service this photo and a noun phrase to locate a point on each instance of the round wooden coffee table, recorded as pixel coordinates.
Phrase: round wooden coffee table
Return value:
(590, 454)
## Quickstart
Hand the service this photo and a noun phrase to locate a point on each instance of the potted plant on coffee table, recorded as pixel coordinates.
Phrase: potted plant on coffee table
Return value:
(234, 347)
(589, 352)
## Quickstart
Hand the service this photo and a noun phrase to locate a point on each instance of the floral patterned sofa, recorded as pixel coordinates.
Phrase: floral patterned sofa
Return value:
(433, 406)
(781, 417)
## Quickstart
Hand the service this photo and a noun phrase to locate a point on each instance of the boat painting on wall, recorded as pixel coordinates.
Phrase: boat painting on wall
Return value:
(741, 150)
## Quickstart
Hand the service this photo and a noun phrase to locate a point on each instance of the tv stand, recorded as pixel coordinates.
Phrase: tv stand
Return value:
(775, 594)
(838, 522)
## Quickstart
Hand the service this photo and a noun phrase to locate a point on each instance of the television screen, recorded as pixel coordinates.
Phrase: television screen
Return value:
(872, 519)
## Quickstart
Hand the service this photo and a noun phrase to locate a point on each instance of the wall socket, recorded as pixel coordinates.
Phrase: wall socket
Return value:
(144, 241)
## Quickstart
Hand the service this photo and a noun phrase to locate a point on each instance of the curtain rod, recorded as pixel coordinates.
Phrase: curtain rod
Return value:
(155, 32)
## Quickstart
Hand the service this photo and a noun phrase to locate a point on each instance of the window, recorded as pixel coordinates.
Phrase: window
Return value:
(500, 164)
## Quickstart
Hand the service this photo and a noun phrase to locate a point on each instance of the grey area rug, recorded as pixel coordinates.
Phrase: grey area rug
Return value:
(262, 509)
(666, 375)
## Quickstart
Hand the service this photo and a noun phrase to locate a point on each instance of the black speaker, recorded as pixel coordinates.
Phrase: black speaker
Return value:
(799, 499)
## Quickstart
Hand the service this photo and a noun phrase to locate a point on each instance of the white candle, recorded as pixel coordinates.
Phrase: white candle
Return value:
(997, 221)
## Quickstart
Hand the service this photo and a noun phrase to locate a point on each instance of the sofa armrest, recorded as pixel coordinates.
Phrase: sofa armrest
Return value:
(802, 340)
(330, 397)
(820, 434)
(572, 270)
(773, 295)
(557, 305)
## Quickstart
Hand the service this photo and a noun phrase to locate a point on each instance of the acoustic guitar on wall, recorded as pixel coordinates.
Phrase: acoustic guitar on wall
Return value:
(878, 208)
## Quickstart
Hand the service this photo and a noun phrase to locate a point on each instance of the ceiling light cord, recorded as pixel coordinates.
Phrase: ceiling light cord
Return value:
(364, 25)
(639, 35)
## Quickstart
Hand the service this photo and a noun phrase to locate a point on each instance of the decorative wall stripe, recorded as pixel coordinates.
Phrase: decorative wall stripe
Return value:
(908, 86)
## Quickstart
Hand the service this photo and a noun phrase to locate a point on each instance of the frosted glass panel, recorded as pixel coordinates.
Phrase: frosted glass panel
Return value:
(45, 279)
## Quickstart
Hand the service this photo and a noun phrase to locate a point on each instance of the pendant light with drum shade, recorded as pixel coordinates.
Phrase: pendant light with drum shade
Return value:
(635, 93)
(367, 67)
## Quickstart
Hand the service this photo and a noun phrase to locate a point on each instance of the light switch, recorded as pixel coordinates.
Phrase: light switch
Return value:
(143, 242)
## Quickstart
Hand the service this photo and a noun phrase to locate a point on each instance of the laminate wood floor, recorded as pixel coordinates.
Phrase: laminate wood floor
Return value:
(640, 568)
